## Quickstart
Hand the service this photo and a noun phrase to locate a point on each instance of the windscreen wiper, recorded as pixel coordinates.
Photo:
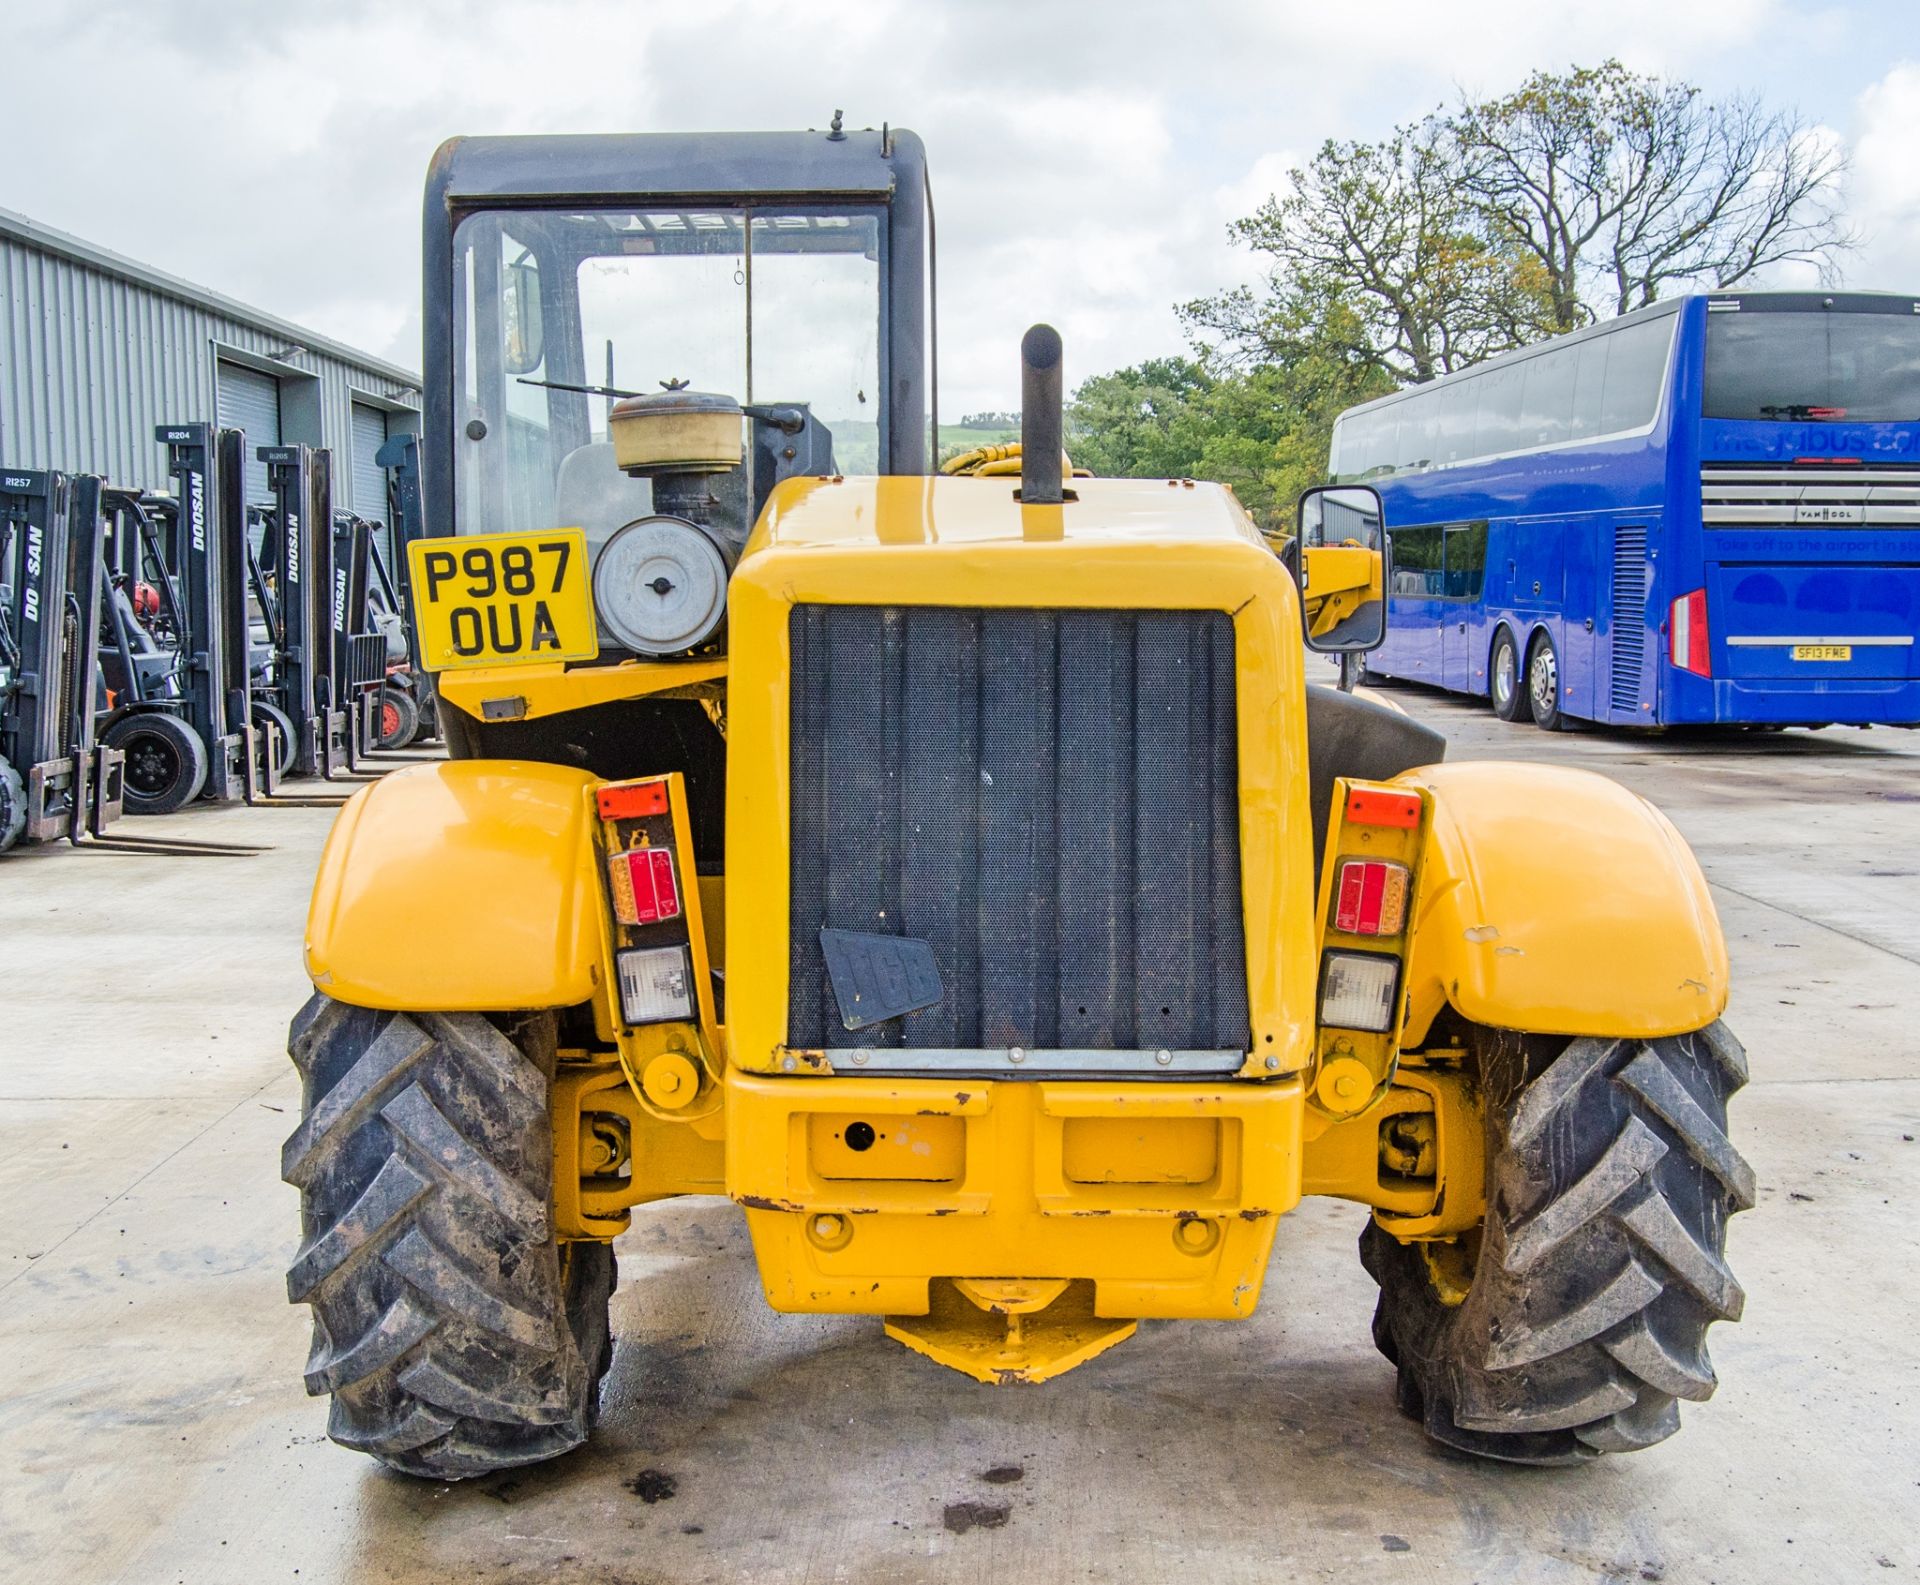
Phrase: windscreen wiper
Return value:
(790, 420)
(584, 390)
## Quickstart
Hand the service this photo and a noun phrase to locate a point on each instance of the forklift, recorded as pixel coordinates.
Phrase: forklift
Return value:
(368, 639)
(55, 781)
(179, 671)
(400, 457)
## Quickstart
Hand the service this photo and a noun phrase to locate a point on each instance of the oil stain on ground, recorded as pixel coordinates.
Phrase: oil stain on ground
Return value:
(651, 1485)
(960, 1517)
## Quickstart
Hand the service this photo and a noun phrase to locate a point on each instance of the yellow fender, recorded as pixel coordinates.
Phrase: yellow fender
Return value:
(464, 886)
(1555, 901)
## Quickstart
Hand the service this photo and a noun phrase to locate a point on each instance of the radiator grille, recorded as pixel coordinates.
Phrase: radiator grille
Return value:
(1629, 616)
(1049, 798)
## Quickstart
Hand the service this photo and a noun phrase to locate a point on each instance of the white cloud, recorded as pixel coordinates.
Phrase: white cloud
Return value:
(1884, 198)
(1086, 159)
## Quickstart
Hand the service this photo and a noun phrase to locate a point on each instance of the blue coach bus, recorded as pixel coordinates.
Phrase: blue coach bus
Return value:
(1707, 510)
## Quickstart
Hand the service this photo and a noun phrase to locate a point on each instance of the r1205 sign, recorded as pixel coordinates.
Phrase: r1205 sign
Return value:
(503, 599)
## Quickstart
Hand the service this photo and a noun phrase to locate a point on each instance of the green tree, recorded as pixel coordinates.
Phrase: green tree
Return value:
(1146, 422)
(1263, 430)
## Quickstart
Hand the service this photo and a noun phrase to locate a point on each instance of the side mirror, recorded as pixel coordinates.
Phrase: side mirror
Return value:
(523, 326)
(1340, 560)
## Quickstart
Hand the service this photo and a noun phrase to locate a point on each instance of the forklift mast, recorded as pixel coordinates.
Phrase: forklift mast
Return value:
(400, 456)
(300, 559)
(52, 562)
(210, 547)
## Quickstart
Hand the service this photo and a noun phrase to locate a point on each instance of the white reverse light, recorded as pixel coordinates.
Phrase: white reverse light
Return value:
(655, 985)
(1357, 991)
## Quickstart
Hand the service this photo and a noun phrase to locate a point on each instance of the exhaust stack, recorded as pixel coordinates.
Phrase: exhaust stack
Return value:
(1042, 422)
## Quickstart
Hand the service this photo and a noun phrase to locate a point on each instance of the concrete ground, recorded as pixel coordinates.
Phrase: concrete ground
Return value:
(154, 1428)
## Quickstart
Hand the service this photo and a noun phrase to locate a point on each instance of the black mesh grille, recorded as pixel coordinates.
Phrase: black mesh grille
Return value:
(1048, 797)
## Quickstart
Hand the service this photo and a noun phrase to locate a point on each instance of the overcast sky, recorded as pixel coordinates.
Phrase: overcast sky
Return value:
(1086, 158)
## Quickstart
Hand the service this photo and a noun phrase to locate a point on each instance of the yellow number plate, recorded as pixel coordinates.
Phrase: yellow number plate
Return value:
(503, 599)
(1823, 652)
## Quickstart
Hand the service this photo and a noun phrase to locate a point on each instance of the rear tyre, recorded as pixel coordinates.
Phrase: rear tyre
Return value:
(1543, 685)
(166, 761)
(1504, 682)
(1589, 1288)
(13, 805)
(454, 1333)
(264, 712)
(398, 719)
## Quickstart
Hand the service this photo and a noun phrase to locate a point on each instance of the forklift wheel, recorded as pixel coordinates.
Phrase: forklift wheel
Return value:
(13, 806)
(265, 711)
(166, 761)
(399, 719)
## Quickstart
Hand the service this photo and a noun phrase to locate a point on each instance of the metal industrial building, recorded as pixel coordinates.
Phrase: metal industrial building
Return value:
(96, 350)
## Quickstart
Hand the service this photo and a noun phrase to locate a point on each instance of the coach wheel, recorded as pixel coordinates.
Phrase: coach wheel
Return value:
(1543, 686)
(1510, 700)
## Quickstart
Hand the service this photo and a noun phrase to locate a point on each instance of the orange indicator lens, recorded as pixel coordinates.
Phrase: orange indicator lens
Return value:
(1366, 807)
(631, 800)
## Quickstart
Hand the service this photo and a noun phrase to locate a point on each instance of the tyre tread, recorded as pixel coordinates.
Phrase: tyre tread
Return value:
(441, 1327)
(1602, 1264)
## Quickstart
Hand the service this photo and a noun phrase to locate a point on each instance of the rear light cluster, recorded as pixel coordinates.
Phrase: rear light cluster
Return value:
(644, 891)
(653, 925)
(1687, 634)
(1370, 897)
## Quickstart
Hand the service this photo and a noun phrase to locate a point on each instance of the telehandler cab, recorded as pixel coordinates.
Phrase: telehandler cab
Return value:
(956, 872)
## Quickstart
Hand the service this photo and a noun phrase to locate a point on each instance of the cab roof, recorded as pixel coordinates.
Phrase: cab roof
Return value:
(661, 166)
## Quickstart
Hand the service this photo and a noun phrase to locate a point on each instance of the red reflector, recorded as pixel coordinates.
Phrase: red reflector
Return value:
(1370, 898)
(1826, 462)
(1687, 634)
(644, 886)
(631, 800)
(1368, 808)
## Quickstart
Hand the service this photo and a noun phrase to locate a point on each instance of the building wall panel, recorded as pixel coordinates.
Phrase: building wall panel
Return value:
(96, 351)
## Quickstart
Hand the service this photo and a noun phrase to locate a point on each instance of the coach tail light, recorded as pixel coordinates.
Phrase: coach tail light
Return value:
(1687, 633)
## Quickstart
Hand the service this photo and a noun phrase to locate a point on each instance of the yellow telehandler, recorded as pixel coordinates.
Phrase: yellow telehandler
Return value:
(958, 872)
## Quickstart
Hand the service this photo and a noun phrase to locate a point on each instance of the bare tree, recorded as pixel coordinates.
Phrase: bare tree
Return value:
(1374, 249)
(1618, 185)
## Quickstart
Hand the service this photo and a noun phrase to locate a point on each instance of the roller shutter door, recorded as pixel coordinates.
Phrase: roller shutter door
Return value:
(247, 399)
(369, 478)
